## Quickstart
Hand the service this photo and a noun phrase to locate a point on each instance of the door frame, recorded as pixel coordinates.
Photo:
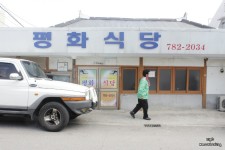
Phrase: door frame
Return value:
(98, 83)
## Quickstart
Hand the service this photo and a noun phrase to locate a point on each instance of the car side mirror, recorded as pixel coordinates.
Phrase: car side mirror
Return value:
(15, 76)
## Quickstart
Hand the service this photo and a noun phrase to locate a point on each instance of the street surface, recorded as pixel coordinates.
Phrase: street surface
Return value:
(116, 130)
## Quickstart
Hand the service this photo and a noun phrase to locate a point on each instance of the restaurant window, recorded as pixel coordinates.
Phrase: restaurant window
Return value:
(174, 80)
(194, 80)
(129, 79)
(164, 79)
(180, 79)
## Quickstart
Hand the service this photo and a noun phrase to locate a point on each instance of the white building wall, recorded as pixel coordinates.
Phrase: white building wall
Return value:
(215, 79)
(215, 84)
(2, 19)
(135, 61)
(107, 61)
(173, 62)
(159, 101)
(53, 62)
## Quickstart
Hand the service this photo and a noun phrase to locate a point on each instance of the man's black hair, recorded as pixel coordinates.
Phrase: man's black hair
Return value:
(145, 72)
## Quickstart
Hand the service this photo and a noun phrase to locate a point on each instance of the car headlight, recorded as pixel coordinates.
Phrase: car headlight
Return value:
(93, 95)
(87, 95)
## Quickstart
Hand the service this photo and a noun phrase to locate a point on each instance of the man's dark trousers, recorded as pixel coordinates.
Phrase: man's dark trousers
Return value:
(142, 103)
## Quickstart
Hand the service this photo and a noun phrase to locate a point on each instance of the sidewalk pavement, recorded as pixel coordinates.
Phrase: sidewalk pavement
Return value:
(168, 129)
(164, 117)
(180, 129)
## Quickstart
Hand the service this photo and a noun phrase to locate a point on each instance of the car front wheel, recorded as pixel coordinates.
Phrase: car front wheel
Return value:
(53, 116)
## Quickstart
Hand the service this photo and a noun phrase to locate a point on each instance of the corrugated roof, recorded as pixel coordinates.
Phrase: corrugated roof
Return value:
(132, 22)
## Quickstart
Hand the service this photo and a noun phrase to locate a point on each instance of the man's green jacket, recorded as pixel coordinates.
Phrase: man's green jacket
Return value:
(143, 89)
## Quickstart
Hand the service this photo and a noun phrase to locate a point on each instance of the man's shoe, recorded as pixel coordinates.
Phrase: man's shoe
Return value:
(147, 118)
(132, 114)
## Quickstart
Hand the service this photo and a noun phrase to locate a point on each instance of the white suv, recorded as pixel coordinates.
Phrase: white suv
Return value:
(25, 90)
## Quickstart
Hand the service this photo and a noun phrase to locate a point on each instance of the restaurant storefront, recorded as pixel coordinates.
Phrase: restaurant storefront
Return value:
(184, 64)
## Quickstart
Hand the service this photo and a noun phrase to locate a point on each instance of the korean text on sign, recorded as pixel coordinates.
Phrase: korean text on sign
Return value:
(112, 39)
(77, 39)
(150, 40)
(42, 39)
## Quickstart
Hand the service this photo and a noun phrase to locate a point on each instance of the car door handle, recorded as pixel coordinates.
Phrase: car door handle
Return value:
(33, 85)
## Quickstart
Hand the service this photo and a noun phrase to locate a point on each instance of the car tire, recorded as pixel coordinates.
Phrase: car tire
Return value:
(53, 116)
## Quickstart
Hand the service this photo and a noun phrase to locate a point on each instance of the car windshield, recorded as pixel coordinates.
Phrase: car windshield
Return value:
(33, 69)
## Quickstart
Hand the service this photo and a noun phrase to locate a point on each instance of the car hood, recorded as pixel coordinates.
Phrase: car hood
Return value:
(59, 85)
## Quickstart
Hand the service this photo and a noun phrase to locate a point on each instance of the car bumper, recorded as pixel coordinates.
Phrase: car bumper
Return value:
(81, 107)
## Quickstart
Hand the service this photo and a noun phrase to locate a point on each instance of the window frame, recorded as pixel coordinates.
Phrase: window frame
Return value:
(173, 75)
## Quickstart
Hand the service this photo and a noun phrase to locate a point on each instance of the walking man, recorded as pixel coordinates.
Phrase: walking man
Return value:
(142, 95)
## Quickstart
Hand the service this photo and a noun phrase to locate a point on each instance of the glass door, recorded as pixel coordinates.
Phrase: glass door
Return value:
(88, 77)
(109, 88)
(105, 81)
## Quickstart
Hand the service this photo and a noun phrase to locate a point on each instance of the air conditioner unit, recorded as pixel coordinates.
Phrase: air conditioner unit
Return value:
(221, 103)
